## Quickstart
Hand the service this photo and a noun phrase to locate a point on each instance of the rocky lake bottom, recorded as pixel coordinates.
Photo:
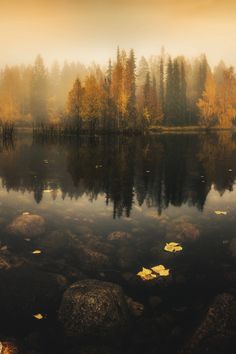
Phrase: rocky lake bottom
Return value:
(83, 227)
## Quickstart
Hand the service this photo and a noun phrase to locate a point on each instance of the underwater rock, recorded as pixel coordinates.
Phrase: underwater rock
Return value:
(181, 231)
(26, 291)
(232, 247)
(119, 236)
(8, 260)
(90, 260)
(136, 308)
(217, 329)
(93, 308)
(127, 258)
(27, 225)
(57, 242)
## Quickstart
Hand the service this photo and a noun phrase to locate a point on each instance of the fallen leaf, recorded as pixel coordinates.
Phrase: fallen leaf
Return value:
(26, 213)
(37, 252)
(161, 270)
(38, 316)
(220, 212)
(173, 247)
(146, 274)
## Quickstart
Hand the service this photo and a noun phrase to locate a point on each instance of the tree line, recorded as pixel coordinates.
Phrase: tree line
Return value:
(126, 95)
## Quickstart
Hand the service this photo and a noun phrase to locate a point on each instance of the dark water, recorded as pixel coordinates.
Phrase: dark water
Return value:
(159, 189)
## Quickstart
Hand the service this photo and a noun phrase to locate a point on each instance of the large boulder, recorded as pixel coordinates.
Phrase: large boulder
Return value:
(217, 331)
(27, 225)
(93, 308)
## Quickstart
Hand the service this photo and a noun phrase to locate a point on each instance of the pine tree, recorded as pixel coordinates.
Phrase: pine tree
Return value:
(39, 87)
(169, 104)
(183, 93)
(131, 89)
(162, 85)
(74, 104)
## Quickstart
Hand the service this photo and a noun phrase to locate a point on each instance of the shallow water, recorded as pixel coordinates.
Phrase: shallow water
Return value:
(159, 189)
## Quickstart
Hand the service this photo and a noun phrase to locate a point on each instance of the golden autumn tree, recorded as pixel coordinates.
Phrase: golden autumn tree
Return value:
(207, 103)
(226, 99)
(93, 103)
(10, 95)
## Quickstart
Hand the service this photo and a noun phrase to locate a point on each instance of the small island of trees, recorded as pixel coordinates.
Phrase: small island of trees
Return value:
(126, 96)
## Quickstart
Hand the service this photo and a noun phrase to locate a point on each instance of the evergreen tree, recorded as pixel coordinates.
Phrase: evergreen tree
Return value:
(131, 89)
(169, 104)
(39, 87)
(74, 104)
(162, 85)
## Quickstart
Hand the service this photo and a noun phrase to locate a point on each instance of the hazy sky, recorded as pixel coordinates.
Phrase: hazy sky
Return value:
(88, 30)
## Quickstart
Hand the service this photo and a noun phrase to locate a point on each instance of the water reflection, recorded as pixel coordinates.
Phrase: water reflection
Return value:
(158, 171)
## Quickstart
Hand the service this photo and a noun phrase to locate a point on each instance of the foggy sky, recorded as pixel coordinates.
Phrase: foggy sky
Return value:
(88, 30)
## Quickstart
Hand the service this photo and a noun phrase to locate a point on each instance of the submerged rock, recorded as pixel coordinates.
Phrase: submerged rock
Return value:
(58, 243)
(119, 236)
(93, 308)
(135, 308)
(127, 258)
(90, 260)
(232, 247)
(181, 231)
(216, 331)
(8, 260)
(27, 225)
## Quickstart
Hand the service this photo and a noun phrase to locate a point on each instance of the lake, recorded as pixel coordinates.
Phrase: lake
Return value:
(61, 202)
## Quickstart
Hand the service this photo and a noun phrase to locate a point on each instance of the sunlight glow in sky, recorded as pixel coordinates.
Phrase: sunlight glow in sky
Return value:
(91, 30)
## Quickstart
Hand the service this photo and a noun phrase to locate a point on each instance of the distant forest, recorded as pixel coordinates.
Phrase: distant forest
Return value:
(127, 94)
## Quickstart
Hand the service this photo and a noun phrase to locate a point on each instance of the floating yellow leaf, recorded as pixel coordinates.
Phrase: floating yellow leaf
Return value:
(37, 252)
(38, 316)
(146, 274)
(161, 270)
(220, 212)
(173, 247)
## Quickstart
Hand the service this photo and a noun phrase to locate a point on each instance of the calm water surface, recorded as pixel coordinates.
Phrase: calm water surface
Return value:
(159, 189)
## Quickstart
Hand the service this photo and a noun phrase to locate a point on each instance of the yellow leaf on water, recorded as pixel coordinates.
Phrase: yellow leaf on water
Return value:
(146, 274)
(38, 316)
(173, 247)
(161, 270)
(37, 252)
(220, 212)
